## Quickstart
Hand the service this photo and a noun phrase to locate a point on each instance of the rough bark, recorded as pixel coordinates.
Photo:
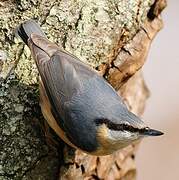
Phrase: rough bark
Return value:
(110, 35)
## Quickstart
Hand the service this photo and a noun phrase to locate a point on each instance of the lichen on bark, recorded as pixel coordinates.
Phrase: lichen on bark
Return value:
(89, 29)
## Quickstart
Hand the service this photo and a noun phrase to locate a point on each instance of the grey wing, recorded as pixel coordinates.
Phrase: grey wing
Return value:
(62, 74)
(60, 80)
(63, 77)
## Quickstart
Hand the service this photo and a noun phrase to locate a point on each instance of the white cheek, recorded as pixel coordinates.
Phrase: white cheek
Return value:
(126, 134)
(122, 135)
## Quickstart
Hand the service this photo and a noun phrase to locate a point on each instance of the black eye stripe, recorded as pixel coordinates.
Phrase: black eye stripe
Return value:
(118, 127)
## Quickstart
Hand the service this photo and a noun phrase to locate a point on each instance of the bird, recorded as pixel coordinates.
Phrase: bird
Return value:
(82, 108)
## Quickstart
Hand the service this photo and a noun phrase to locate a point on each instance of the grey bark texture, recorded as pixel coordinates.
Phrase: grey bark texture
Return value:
(112, 36)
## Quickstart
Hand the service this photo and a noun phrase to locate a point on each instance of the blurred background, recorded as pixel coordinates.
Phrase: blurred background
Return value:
(158, 158)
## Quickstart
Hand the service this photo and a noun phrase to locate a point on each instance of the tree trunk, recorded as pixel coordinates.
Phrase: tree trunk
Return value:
(110, 35)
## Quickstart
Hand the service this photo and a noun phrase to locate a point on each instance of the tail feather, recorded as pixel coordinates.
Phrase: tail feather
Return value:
(27, 28)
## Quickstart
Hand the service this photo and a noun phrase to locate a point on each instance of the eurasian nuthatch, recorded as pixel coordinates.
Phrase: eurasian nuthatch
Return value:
(79, 105)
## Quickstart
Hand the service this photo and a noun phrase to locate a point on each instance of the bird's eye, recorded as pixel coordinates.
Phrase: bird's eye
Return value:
(127, 124)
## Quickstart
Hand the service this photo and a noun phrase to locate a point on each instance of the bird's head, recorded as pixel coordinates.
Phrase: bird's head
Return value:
(114, 135)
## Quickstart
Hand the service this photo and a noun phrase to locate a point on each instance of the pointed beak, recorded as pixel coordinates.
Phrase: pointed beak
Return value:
(151, 132)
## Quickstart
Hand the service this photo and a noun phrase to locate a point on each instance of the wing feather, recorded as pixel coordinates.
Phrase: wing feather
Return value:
(60, 79)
